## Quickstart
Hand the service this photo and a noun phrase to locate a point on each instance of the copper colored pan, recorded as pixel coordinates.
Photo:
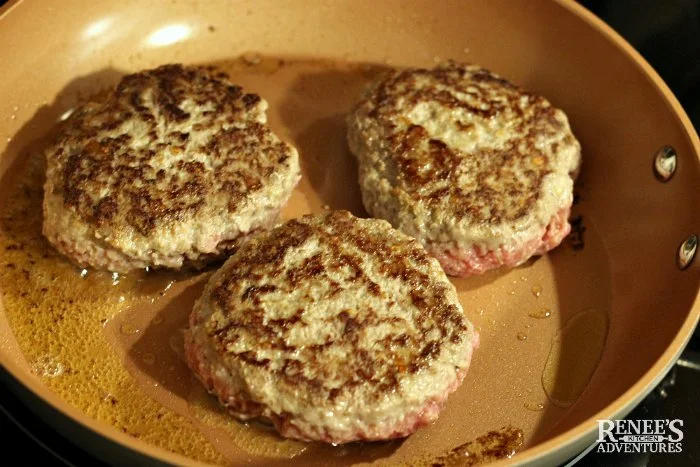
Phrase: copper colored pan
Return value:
(581, 334)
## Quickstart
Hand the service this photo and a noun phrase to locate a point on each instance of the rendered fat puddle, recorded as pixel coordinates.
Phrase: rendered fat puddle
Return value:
(153, 353)
(574, 356)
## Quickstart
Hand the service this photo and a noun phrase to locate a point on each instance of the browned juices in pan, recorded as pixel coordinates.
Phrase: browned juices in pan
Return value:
(111, 345)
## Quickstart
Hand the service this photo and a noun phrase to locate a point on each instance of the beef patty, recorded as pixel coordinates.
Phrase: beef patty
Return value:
(476, 168)
(166, 170)
(332, 327)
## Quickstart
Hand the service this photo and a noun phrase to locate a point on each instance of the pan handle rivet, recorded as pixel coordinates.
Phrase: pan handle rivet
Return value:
(686, 252)
(665, 163)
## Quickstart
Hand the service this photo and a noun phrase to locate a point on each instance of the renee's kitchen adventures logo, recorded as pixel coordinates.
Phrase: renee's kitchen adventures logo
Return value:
(640, 436)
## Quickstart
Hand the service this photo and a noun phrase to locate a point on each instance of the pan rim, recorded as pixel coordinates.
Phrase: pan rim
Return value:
(653, 376)
(542, 452)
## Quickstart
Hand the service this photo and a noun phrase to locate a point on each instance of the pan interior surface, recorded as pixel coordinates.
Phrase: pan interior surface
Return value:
(559, 335)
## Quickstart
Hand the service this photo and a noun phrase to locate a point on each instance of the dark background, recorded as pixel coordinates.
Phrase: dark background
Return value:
(667, 34)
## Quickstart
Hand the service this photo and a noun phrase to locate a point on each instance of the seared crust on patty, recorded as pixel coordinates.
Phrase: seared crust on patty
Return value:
(460, 158)
(334, 328)
(166, 170)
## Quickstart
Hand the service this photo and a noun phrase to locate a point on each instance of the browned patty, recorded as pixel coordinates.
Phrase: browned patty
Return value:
(167, 169)
(475, 167)
(333, 327)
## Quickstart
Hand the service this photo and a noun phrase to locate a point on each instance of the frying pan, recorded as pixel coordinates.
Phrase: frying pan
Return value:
(622, 303)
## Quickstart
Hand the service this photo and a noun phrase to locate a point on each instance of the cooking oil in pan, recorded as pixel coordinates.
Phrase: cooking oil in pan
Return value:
(536, 291)
(252, 437)
(574, 356)
(534, 406)
(541, 313)
(58, 315)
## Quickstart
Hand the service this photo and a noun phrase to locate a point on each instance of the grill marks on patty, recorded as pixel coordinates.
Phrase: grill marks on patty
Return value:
(153, 150)
(339, 263)
(490, 183)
